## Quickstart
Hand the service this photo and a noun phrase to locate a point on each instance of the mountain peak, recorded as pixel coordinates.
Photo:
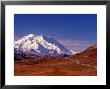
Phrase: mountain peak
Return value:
(40, 45)
(30, 35)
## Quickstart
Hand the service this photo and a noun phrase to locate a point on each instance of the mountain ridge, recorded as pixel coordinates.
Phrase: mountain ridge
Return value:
(39, 45)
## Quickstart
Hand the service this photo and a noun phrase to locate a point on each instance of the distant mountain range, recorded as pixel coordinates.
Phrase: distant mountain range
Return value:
(33, 46)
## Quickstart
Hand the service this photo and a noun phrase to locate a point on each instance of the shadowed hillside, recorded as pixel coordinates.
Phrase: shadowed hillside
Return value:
(89, 56)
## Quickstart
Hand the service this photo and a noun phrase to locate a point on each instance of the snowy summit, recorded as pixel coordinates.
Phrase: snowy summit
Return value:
(34, 45)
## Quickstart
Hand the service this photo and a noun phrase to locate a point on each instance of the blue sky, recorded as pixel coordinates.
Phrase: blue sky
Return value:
(75, 31)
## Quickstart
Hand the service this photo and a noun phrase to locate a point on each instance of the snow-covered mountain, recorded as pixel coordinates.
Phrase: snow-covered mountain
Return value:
(34, 45)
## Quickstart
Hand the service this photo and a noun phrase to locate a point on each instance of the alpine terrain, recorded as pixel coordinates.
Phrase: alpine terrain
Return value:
(41, 55)
(33, 46)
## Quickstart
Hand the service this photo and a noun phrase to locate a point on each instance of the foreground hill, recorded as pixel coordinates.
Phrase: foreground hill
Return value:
(89, 56)
(80, 64)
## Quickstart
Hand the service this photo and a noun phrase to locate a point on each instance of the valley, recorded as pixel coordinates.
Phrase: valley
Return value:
(44, 56)
(53, 67)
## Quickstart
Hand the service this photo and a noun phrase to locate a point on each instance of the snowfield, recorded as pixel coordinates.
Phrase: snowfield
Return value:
(34, 45)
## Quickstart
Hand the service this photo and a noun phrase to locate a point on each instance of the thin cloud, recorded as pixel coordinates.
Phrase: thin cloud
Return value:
(76, 45)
